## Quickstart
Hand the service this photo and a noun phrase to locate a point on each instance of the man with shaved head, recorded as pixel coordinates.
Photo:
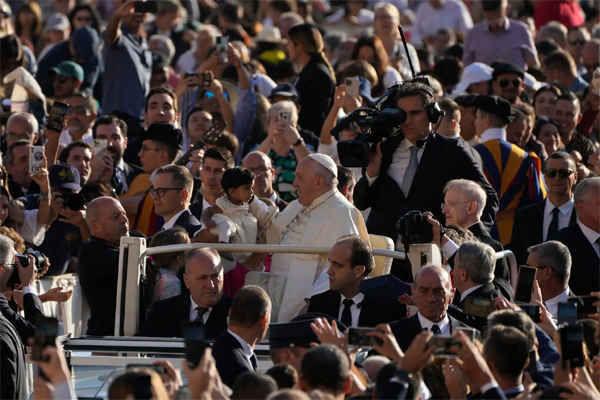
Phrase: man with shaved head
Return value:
(21, 126)
(320, 216)
(260, 164)
(433, 293)
(98, 262)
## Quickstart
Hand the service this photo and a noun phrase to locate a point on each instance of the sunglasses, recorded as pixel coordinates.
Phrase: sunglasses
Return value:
(515, 82)
(79, 110)
(210, 95)
(563, 173)
(580, 42)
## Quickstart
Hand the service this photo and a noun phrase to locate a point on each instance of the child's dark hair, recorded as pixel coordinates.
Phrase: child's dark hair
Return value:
(235, 177)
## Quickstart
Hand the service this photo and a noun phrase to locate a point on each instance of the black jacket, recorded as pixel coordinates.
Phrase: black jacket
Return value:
(408, 328)
(371, 313)
(13, 368)
(528, 229)
(585, 274)
(483, 235)
(24, 326)
(188, 222)
(167, 316)
(489, 292)
(230, 358)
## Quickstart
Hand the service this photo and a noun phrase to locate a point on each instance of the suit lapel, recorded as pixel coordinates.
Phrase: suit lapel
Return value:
(537, 217)
(429, 155)
(573, 216)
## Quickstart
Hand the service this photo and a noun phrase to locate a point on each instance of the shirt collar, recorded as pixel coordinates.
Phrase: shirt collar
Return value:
(506, 24)
(493, 133)
(590, 234)
(405, 145)
(516, 389)
(193, 305)
(121, 165)
(552, 304)
(273, 197)
(247, 349)
(469, 291)
(425, 323)
(170, 223)
(358, 299)
(564, 209)
(322, 198)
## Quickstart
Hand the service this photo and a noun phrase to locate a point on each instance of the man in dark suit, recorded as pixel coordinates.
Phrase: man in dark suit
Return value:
(114, 131)
(260, 164)
(412, 170)
(205, 301)
(538, 222)
(350, 262)
(31, 303)
(249, 318)
(13, 368)
(432, 292)
(583, 238)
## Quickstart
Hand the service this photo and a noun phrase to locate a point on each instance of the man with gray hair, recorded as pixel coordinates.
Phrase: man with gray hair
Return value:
(583, 238)
(553, 262)
(319, 216)
(21, 126)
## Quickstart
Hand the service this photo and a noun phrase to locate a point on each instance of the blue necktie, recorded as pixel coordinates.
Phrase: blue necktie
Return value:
(409, 175)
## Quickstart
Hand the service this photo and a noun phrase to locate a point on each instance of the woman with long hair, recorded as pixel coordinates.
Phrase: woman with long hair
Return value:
(316, 81)
(371, 50)
(546, 131)
(28, 24)
(543, 100)
(85, 15)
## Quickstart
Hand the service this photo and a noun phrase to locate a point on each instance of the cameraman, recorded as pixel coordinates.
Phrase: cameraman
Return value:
(414, 174)
(31, 302)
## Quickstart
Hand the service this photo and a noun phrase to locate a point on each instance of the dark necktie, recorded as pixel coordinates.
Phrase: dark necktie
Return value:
(553, 228)
(201, 312)
(436, 329)
(254, 362)
(346, 313)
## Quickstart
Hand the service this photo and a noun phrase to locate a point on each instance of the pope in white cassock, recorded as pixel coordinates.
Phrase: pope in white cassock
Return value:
(319, 217)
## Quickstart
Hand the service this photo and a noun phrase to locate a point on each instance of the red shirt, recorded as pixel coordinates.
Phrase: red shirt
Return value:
(567, 12)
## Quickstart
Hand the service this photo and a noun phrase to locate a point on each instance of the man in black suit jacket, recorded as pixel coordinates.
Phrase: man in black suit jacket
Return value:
(350, 262)
(31, 302)
(205, 301)
(12, 364)
(260, 164)
(248, 324)
(432, 293)
(536, 223)
(583, 238)
(391, 186)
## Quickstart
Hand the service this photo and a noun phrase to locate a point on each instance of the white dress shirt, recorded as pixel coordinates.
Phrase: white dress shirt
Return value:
(170, 223)
(354, 309)
(194, 312)
(469, 291)
(400, 162)
(428, 20)
(67, 139)
(493, 133)
(564, 216)
(248, 352)
(552, 304)
(591, 235)
(444, 324)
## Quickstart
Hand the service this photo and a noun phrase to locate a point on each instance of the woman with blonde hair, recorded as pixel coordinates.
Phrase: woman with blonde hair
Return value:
(316, 81)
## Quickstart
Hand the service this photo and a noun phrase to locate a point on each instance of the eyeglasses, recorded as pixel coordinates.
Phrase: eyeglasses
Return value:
(160, 192)
(261, 170)
(580, 42)
(563, 173)
(22, 136)
(515, 82)
(79, 110)
(61, 79)
(144, 149)
(453, 203)
(210, 95)
(541, 267)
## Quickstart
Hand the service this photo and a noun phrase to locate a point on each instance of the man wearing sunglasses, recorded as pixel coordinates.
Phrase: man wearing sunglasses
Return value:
(577, 37)
(538, 222)
(68, 77)
(81, 114)
(508, 82)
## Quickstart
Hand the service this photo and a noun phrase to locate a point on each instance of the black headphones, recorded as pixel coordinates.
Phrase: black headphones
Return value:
(434, 112)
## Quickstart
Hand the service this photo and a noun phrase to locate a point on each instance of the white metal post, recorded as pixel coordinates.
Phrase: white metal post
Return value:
(131, 267)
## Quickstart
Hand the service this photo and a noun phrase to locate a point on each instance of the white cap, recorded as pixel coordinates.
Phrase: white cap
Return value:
(532, 82)
(325, 161)
(57, 22)
(473, 73)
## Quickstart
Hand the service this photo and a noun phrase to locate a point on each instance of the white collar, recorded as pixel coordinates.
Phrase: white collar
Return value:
(247, 348)
(493, 133)
(590, 234)
(469, 291)
(552, 304)
(121, 164)
(273, 197)
(425, 323)
(405, 145)
(564, 209)
(516, 389)
(358, 299)
(170, 223)
(193, 305)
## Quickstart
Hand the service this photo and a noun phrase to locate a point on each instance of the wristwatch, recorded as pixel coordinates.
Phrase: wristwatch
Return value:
(298, 142)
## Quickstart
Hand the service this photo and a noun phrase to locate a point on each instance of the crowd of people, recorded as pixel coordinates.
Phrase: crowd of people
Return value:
(247, 122)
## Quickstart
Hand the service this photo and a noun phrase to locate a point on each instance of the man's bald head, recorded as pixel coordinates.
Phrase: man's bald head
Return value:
(435, 270)
(590, 55)
(19, 125)
(260, 164)
(256, 155)
(107, 219)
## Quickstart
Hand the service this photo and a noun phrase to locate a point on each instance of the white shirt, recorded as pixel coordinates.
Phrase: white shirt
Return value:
(67, 139)
(564, 216)
(469, 291)
(400, 162)
(493, 133)
(248, 352)
(428, 20)
(170, 223)
(552, 304)
(187, 62)
(354, 309)
(591, 235)
(444, 324)
(194, 312)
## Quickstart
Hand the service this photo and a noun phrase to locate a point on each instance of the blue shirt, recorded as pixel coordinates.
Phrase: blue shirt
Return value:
(62, 241)
(578, 85)
(128, 66)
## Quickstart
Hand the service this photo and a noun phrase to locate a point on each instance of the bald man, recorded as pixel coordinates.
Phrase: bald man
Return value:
(432, 292)
(21, 126)
(98, 262)
(590, 56)
(260, 164)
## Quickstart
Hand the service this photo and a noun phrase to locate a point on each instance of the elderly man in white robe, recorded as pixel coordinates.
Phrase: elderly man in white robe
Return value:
(319, 217)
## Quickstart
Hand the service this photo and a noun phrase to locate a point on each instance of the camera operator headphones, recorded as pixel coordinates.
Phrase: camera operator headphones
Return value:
(434, 112)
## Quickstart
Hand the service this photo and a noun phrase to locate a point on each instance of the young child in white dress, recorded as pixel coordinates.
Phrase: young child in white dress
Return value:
(231, 218)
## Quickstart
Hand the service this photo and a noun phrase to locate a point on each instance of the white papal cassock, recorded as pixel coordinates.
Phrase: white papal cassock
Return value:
(295, 277)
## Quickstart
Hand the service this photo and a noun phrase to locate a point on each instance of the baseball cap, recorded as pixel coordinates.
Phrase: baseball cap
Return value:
(69, 69)
(285, 90)
(64, 176)
(57, 22)
(473, 73)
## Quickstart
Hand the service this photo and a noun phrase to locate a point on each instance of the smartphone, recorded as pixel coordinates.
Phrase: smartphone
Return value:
(57, 116)
(36, 158)
(358, 337)
(222, 42)
(532, 310)
(352, 87)
(525, 282)
(285, 116)
(472, 333)
(195, 82)
(571, 342)
(206, 79)
(193, 335)
(142, 389)
(159, 369)
(99, 145)
(478, 307)
(45, 335)
(584, 305)
(567, 313)
(442, 345)
(145, 7)
(552, 392)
